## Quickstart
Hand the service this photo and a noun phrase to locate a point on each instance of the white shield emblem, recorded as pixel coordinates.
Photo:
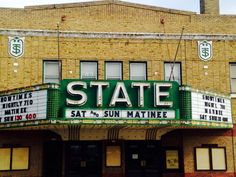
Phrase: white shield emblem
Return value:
(205, 50)
(16, 46)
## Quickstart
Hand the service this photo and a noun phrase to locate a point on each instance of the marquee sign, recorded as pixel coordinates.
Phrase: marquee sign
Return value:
(210, 107)
(16, 46)
(120, 99)
(115, 102)
(205, 50)
(25, 106)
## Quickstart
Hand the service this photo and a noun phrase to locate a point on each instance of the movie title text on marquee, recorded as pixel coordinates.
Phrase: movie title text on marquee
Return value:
(23, 106)
(206, 107)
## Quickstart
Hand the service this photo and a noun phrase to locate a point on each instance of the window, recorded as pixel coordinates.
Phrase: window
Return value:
(233, 77)
(202, 159)
(5, 158)
(113, 156)
(138, 71)
(89, 70)
(52, 72)
(210, 158)
(218, 158)
(113, 70)
(175, 75)
(16, 158)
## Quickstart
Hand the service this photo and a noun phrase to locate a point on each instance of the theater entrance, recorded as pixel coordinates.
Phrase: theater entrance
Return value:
(142, 159)
(100, 158)
(84, 159)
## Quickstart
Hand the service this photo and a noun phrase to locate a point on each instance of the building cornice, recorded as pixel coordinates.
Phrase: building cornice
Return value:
(115, 35)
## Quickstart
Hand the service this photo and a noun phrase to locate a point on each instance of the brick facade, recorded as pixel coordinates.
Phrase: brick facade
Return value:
(119, 31)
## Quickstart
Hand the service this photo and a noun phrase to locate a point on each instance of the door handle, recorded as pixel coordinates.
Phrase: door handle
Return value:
(143, 163)
(82, 163)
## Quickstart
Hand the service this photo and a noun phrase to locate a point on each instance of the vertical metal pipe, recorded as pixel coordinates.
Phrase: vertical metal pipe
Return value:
(176, 53)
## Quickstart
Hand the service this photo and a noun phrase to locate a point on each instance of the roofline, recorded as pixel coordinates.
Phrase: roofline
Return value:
(11, 8)
(105, 2)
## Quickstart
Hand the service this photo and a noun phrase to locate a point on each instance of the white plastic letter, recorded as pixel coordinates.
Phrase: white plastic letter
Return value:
(141, 87)
(120, 88)
(71, 91)
(99, 85)
(158, 94)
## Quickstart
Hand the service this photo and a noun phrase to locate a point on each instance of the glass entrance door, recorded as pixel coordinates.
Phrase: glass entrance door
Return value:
(142, 159)
(83, 159)
(52, 159)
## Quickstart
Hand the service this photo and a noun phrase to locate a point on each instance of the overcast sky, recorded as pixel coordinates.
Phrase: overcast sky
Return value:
(226, 6)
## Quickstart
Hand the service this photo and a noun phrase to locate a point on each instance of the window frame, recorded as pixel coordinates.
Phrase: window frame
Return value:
(11, 158)
(209, 147)
(85, 61)
(232, 78)
(138, 62)
(121, 69)
(180, 68)
(59, 67)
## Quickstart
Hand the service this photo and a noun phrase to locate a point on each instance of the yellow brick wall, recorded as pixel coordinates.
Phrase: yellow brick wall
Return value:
(154, 52)
(113, 17)
(121, 18)
(117, 17)
(196, 141)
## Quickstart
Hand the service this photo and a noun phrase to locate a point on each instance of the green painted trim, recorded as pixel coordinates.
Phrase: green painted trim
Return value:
(31, 88)
(185, 105)
(53, 102)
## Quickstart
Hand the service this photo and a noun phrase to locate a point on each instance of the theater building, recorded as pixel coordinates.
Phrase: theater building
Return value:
(117, 89)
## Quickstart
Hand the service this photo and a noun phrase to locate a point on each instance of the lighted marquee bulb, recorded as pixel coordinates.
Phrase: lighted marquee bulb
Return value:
(187, 88)
(182, 88)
